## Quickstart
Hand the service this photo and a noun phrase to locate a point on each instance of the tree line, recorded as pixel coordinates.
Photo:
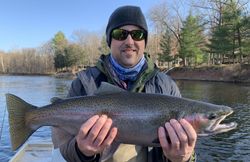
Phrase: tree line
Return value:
(212, 32)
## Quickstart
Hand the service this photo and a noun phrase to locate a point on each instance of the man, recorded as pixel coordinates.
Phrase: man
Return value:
(129, 68)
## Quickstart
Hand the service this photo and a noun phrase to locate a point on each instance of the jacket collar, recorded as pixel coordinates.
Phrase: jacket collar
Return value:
(146, 74)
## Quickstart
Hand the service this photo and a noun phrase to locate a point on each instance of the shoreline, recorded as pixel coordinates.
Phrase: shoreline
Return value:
(227, 73)
(26, 74)
(238, 73)
(58, 75)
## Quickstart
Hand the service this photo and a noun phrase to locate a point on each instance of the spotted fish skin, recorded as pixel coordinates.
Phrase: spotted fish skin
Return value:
(136, 115)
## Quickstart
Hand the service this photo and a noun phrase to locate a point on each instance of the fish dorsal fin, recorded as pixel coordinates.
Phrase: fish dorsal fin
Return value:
(55, 99)
(107, 88)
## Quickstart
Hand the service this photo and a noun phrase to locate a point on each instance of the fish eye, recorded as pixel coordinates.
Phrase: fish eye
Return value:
(212, 116)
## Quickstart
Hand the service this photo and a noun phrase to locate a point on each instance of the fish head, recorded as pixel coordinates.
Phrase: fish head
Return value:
(209, 122)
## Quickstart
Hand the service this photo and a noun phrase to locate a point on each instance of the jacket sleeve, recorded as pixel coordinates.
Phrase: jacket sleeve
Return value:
(76, 89)
(163, 84)
(65, 141)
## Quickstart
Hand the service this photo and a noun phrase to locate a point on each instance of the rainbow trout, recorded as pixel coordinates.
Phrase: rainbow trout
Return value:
(136, 115)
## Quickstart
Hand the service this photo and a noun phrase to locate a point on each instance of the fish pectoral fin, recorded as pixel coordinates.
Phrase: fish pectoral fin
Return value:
(107, 88)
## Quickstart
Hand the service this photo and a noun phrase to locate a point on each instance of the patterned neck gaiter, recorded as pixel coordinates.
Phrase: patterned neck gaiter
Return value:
(127, 73)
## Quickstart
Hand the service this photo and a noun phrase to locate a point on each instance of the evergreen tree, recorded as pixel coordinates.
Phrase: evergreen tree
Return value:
(245, 35)
(227, 36)
(220, 41)
(73, 55)
(165, 46)
(232, 23)
(59, 60)
(191, 41)
(59, 43)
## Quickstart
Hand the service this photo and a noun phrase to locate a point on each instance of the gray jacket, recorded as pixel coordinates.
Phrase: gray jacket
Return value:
(85, 84)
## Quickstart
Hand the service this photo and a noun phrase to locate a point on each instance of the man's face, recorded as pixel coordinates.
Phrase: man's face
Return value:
(127, 52)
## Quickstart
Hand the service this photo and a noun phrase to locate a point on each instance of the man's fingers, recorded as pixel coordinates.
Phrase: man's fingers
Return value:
(175, 143)
(93, 133)
(96, 135)
(103, 133)
(181, 133)
(163, 138)
(191, 133)
(110, 138)
(83, 132)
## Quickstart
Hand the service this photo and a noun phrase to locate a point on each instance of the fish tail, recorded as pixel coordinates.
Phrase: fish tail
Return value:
(19, 131)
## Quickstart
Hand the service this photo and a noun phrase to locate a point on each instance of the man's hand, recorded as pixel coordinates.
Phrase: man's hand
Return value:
(95, 135)
(182, 138)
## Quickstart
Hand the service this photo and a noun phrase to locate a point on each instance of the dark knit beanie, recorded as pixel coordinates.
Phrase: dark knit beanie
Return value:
(126, 15)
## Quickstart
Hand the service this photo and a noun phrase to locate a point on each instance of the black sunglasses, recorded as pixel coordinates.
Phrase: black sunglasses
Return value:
(122, 34)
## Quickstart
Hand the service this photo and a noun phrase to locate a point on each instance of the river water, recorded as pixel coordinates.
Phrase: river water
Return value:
(230, 147)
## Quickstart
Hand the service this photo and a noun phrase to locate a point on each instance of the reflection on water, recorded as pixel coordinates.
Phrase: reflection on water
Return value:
(231, 146)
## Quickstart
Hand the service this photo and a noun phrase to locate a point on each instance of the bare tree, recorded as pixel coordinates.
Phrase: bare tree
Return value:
(90, 42)
(158, 15)
(167, 16)
(2, 62)
(46, 53)
(91, 48)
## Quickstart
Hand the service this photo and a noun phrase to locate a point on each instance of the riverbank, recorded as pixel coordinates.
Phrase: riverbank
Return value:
(226, 73)
(57, 75)
(28, 74)
(65, 75)
(223, 73)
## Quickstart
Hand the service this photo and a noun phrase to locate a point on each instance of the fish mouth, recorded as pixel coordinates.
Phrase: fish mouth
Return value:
(216, 126)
